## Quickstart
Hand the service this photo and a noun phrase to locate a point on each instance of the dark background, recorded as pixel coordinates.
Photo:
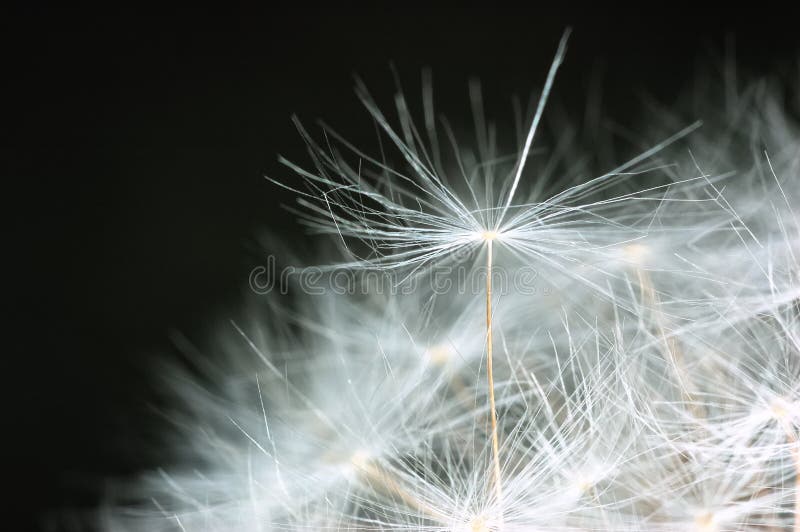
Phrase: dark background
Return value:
(133, 148)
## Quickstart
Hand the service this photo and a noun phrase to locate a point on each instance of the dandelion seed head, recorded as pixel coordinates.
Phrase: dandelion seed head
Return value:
(583, 483)
(478, 524)
(783, 410)
(622, 412)
(439, 354)
(488, 235)
(351, 465)
(636, 253)
(475, 523)
(360, 459)
(705, 522)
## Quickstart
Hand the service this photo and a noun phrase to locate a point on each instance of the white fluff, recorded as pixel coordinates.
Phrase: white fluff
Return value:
(654, 384)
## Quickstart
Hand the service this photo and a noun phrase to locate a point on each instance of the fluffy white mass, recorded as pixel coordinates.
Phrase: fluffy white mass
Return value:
(650, 380)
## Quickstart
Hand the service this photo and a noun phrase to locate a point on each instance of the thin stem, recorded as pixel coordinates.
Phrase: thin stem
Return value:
(672, 349)
(492, 411)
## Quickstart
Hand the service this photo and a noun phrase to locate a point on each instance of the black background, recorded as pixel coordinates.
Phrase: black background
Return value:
(133, 149)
